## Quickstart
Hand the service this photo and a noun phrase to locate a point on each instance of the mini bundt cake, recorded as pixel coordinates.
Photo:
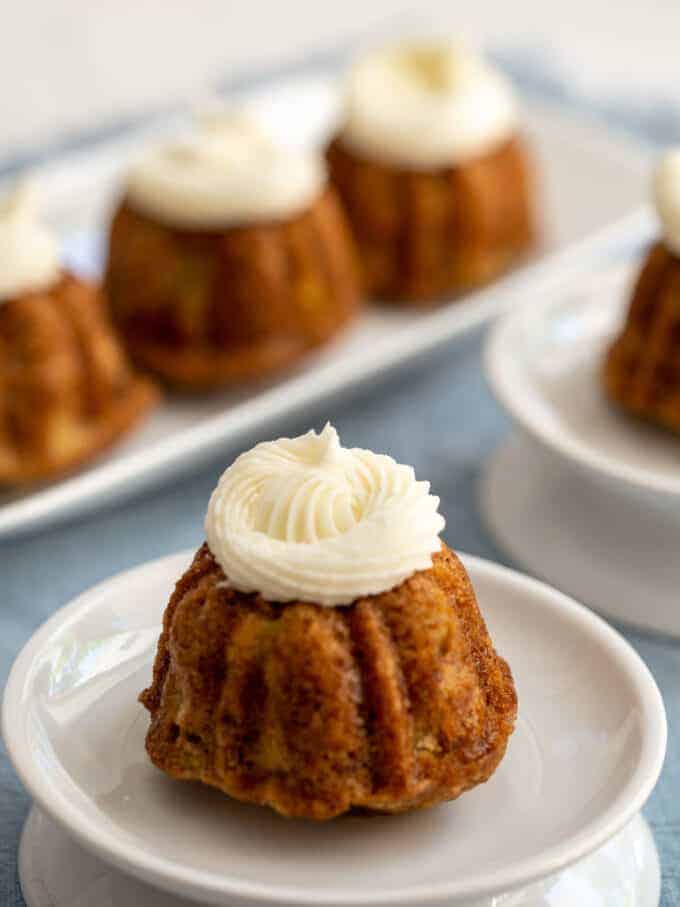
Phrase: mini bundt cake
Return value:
(434, 176)
(228, 258)
(66, 388)
(325, 651)
(642, 367)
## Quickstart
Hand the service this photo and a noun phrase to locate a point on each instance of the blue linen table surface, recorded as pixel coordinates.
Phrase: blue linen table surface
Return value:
(440, 417)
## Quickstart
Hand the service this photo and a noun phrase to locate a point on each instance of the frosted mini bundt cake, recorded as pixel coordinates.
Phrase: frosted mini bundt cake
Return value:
(229, 257)
(433, 172)
(325, 650)
(642, 368)
(66, 388)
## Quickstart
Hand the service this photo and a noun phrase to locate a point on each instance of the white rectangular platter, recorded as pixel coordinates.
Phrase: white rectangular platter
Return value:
(591, 183)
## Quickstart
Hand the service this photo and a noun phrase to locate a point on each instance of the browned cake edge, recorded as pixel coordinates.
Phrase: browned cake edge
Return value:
(274, 293)
(392, 778)
(641, 369)
(111, 417)
(426, 236)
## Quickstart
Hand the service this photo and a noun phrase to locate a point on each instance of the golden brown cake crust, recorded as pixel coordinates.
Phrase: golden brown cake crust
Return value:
(395, 702)
(642, 368)
(67, 391)
(209, 308)
(424, 235)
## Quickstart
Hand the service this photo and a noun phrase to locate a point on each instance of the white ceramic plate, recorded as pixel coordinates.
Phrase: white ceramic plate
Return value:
(586, 753)
(56, 872)
(595, 543)
(543, 364)
(589, 179)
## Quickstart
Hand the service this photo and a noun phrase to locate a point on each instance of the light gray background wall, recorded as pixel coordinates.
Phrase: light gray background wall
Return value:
(68, 63)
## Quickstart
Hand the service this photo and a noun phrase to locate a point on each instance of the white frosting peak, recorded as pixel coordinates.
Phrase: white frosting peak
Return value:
(305, 519)
(427, 105)
(667, 197)
(227, 173)
(29, 253)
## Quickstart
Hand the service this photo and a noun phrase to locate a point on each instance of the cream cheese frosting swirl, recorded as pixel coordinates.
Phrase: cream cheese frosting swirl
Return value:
(427, 105)
(29, 252)
(667, 198)
(227, 173)
(305, 519)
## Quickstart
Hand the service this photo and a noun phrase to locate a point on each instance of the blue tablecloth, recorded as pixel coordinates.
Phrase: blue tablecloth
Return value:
(439, 417)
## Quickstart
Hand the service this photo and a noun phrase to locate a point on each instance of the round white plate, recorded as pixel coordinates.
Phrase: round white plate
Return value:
(599, 546)
(56, 872)
(587, 752)
(543, 364)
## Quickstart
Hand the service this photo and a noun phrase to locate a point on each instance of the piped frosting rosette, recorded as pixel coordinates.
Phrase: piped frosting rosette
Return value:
(427, 105)
(227, 173)
(667, 198)
(29, 252)
(305, 519)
